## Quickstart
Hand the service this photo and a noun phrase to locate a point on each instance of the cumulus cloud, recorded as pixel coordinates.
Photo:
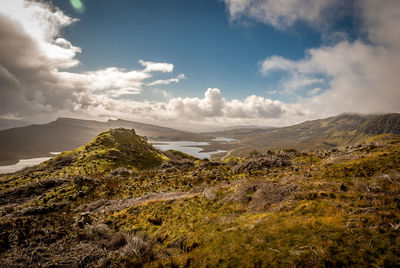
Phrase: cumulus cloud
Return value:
(157, 66)
(298, 82)
(213, 106)
(314, 91)
(277, 63)
(33, 62)
(35, 83)
(42, 25)
(167, 81)
(109, 78)
(359, 76)
(281, 13)
(381, 20)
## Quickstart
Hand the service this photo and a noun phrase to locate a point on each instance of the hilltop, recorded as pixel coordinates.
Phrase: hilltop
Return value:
(109, 150)
(117, 201)
(66, 134)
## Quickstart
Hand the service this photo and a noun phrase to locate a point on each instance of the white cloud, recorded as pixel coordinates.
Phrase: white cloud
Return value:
(32, 85)
(10, 116)
(277, 63)
(213, 107)
(299, 82)
(157, 66)
(281, 13)
(167, 95)
(42, 25)
(361, 78)
(167, 81)
(381, 21)
(117, 93)
(314, 91)
(110, 78)
(358, 76)
(33, 54)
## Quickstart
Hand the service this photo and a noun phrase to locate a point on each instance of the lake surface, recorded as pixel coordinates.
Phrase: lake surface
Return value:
(22, 164)
(188, 147)
(224, 139)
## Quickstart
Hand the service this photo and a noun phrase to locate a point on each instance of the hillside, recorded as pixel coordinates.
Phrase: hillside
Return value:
(66, 134)
(109, 150)
(319, 134)
(9, 123)
(382, 124)
(119, 202)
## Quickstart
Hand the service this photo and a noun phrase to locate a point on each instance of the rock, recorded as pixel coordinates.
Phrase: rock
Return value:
(209, 194)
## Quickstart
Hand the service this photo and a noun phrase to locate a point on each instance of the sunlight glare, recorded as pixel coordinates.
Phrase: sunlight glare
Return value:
(78, 6)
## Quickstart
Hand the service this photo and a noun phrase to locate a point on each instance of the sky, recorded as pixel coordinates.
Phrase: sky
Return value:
(198, 65)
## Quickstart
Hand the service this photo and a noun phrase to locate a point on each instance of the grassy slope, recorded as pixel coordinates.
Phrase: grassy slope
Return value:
(333, 208)
(67, 134)
(342, 130)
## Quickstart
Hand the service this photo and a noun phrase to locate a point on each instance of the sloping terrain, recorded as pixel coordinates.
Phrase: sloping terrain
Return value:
(342, 130)
(285, 208)
(10, 123)
(383, 124)
(67, 134)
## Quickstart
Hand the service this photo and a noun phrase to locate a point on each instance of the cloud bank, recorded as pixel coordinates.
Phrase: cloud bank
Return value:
(283, 14)
(349, 76)
(33, 62)
(360, 75)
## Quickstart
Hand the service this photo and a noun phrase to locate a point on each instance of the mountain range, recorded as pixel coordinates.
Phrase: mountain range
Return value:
(67, 134)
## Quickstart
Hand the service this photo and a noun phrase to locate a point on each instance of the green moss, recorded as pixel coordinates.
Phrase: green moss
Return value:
(329, 208)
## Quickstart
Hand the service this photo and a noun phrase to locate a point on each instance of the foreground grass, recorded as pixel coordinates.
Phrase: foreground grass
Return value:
(325, 208)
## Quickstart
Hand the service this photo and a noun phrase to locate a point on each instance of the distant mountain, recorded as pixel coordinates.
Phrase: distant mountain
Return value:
(389, 123)
(67, 134)
(11, 123)
(316, 134)
(244, 127)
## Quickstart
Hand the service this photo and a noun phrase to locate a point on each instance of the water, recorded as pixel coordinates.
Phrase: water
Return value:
(224, 139)
(188, 147)
(23, 163)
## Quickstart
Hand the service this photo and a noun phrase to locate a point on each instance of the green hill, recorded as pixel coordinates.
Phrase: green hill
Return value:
(66, 134)
(341, 130)
(109, 150)
(118, 202)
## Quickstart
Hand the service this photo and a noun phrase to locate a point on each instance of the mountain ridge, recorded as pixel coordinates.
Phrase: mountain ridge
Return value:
(327, 133)
(66, 134)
